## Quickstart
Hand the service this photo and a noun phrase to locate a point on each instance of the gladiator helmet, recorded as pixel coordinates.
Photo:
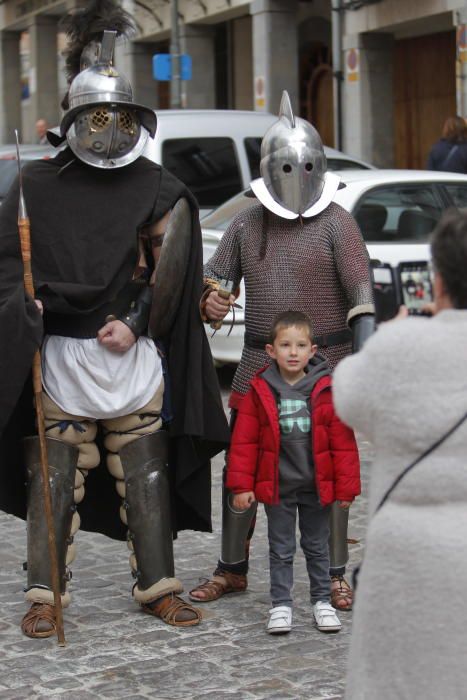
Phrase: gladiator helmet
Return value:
(293, 163)
(103, 126)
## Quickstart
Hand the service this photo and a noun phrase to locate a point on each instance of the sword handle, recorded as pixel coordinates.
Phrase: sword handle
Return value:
(224, 293)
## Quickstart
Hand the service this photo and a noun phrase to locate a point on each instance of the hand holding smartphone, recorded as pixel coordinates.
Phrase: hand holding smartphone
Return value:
(415, 285)
(408, 284)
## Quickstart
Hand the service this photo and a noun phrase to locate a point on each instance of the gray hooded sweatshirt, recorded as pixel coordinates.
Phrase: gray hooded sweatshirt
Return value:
(296, 471)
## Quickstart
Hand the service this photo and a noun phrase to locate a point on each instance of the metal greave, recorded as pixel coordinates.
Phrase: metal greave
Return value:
(338, 547)
(63, 460)
(147, 504)
(235, 527)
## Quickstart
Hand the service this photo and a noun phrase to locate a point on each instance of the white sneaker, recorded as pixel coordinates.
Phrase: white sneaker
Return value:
(325, 617)
(280, 620)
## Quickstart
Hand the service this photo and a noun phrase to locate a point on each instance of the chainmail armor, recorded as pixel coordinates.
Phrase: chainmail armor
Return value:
(319, 266)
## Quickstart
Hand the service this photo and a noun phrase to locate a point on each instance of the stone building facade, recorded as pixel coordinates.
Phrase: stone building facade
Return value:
(377, 77)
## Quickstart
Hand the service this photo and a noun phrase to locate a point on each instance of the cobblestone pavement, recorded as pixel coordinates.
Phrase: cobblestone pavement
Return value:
(115, 651)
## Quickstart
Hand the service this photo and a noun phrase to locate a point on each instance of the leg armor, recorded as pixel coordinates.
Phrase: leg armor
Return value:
(338, 548)
(63, 459)
(236, 525)
(147, 505)
(237, 528)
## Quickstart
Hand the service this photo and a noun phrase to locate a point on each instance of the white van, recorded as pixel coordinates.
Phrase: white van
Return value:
(216, 153)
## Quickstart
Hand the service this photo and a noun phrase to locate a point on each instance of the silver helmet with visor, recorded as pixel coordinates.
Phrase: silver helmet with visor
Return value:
(103, 126)
(293, 164)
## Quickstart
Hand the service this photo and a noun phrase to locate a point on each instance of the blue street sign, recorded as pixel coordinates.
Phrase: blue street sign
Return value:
(162, 66)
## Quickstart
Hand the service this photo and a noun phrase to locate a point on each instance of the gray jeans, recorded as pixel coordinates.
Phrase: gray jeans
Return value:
(313, 521)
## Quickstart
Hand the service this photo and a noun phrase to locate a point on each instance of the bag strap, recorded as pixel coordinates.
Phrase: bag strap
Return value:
(419, 459)
(449, 155)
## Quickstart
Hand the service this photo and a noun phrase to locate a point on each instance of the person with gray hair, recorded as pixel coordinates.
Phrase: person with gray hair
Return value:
(406, 391)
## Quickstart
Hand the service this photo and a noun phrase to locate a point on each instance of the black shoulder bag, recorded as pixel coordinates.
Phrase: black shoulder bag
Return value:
(399, 478)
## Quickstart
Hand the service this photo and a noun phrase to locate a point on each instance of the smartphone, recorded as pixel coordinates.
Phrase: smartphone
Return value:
(408, 284)
(414, 281)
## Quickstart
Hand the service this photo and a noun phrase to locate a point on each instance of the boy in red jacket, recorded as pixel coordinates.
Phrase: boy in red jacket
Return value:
(291, 452)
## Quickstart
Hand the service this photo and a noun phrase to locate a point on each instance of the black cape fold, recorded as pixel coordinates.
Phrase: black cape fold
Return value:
(84, 223)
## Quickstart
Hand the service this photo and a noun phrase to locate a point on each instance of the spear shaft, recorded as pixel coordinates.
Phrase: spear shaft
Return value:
(25, 239)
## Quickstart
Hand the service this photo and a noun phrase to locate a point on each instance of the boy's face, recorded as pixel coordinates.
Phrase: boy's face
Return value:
(292, 349)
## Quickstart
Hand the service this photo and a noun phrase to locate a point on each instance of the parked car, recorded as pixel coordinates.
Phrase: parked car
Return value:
(216, 153)
(9, 166)
(395, 209)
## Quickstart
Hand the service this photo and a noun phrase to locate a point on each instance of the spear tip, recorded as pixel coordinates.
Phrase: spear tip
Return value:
(22, 213)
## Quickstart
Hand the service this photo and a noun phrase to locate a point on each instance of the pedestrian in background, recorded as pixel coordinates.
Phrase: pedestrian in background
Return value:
(291, 452)
(405, 391)
(41, 131)
(450, 152)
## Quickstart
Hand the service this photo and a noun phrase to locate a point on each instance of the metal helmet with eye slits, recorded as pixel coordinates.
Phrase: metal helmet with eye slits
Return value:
(293, 163)
(103, 126)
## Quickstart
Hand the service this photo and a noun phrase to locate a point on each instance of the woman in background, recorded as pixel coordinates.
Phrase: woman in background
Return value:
(450, 152)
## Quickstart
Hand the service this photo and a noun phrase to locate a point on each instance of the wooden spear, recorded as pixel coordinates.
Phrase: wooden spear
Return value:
(25, 238)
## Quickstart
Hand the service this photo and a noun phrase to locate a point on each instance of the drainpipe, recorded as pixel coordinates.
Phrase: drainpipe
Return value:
(337, 72)
(175, 82)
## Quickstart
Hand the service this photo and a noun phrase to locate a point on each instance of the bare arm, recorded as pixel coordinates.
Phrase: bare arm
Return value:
(155, 233)
(117, 335)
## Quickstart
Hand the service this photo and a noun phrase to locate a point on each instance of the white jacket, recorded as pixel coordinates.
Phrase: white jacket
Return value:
(403, 391)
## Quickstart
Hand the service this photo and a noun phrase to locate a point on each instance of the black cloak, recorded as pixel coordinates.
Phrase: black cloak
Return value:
(84, 226)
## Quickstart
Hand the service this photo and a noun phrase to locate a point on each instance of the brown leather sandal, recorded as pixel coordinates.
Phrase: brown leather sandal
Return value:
(39, 621)
(341, 594)
(173, 610)
(221, 583)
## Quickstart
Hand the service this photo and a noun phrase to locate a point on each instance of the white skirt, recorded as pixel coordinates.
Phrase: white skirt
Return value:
(88, 380)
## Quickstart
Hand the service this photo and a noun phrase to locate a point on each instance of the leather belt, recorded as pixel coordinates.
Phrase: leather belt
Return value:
(258, 342)
(337, 338)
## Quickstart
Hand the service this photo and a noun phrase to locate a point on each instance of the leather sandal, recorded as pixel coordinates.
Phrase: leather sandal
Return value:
(221, 583)
(173, 610)
(341, 595)
(39, 621)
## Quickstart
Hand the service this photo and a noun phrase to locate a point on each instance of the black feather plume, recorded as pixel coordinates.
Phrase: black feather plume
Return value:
(86, 24)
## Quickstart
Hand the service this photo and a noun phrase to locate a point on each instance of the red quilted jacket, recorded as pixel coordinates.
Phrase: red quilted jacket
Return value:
(253, 461)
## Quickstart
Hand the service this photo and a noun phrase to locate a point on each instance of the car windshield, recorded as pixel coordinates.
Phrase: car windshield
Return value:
(221, 217)
(343, 164)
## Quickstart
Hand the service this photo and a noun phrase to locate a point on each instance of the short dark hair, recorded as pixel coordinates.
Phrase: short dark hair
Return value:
(290, 318)
(449, 253)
